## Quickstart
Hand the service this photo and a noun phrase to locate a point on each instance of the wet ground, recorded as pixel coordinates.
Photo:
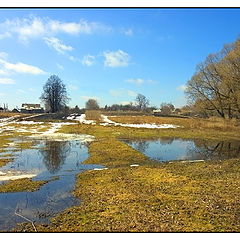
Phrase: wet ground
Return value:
(57, 161)
(168, 149)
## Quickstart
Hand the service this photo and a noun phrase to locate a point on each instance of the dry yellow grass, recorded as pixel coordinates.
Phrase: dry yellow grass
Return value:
(93, 115)
(7, 114)
(12, 114)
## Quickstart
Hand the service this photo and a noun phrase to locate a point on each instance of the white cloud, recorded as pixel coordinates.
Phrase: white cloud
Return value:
(140, 81)
(3, 72)
(125, 102)
(88, 60)
(74, 59)
(128, 32)
(60, 66)
(33, 27)
(71, 27)
(82, 26)
(116, 92)
(137, 81)
(20, 91)
(2, 94)
(57, 45)
(21, 68)
(151, 81)
(89, 97)
(72, 87)
(182, 87)
(121, 92)
(116, 59)
(131, 93)
(3, 55)
(6, 81)
(5, 35)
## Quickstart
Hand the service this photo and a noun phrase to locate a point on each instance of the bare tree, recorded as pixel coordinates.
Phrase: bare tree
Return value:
(215, 87)
(142, 102)
(92, 104)
(167, 108)
(54, 94)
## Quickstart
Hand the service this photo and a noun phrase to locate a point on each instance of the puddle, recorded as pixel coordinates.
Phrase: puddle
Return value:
(49, 159)
(167, 149)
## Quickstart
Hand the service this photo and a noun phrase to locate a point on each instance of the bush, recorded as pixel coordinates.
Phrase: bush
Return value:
(93, 115)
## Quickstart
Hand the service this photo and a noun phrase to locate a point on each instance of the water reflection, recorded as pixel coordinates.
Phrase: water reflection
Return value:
(142, 145)
(56, 160)
(166, 149)
(54, 155)
(216, 150)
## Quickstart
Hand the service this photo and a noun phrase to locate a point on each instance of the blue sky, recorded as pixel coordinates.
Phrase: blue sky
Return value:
(108, 54)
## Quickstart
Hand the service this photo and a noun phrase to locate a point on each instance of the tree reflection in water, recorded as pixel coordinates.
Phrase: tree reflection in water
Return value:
(207, 149)
(166, 141)
(141, 146)
(54, 154)
(186, 149)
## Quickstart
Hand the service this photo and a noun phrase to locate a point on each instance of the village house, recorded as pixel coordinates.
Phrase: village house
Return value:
(31, 108)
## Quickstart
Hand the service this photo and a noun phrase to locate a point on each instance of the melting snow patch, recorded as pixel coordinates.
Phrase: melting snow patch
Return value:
(99, 169)
(28, 122)
(192, 161)
(84, 138)
(106, 122)
(144, 125)
(55, 127)
(8, 119)
(12, 177)
(134, 165)
(82, 119)
(2, 173)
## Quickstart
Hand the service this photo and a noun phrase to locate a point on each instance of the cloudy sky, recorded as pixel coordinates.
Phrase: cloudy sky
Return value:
(108, 54)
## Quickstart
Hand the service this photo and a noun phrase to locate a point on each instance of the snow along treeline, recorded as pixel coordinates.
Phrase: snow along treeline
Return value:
(106, 121)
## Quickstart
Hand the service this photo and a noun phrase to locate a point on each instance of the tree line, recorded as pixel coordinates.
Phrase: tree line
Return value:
(55, 99)
(214, 89)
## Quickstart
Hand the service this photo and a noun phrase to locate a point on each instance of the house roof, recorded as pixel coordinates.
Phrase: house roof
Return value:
(31, 106)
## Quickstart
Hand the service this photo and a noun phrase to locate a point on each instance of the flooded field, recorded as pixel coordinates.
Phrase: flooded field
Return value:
(51, 154)
(55, 161)
(167, 149)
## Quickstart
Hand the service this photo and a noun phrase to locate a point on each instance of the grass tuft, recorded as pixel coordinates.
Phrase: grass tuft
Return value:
(21, 185)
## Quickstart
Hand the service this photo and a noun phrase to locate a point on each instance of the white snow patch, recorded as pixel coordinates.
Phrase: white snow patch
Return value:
(99, 169)
(55, 127)
(144, 125)
(11, 144)
(15, 177)
(83, 138)
(71, 117)
(106, 122)
(28, 122)
(134, 165)
(82, 119)
(192, 161)
(8, 119)
(2, 173)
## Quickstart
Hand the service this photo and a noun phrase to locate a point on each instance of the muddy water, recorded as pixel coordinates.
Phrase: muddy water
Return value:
(167, 149)
(58, 161)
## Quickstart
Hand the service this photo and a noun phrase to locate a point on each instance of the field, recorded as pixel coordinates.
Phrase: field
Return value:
(150, 196)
